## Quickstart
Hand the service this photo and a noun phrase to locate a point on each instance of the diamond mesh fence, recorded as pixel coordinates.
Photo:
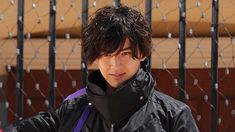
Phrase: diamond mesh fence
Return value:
(191, 24)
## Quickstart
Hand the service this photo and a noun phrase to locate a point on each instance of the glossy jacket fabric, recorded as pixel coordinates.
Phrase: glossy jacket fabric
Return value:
(134, 107)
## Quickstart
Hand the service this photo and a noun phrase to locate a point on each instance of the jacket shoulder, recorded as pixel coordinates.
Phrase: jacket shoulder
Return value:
(168, 103)
(78, 98)
(176, 112)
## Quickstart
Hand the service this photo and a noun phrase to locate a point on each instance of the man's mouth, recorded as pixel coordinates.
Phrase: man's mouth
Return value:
(117, 75)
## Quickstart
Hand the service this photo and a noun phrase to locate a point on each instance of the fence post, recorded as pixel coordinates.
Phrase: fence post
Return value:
(52, 50)
(116, 3)
(20, 61)
(148, 15)
(84, 71)
(181, 47)
(214, 65)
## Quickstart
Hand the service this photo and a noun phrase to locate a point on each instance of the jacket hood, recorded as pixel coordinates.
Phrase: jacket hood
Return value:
(124, 101)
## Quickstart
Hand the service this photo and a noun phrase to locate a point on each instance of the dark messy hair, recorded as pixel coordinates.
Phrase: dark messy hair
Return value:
(109, 29)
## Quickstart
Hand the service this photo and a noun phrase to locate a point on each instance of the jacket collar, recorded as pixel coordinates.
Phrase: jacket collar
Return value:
(124, 101)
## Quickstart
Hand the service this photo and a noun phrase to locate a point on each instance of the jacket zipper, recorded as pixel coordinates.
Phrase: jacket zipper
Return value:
(112, 128)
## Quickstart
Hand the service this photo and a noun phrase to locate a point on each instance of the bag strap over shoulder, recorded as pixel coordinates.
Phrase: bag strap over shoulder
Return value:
(80, 92)
(85, 112)
(83, 119)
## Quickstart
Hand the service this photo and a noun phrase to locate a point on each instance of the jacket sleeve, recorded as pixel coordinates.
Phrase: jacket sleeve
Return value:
(184, 121)
(43, 122)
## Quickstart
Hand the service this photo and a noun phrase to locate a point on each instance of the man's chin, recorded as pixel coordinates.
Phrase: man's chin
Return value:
(115, 85)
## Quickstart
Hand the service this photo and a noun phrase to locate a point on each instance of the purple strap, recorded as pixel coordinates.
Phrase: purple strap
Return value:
(80, 92)
(82, 119)
(86, 111)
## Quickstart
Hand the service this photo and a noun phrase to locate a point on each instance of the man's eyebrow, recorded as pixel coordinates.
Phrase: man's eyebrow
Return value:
(128, 48)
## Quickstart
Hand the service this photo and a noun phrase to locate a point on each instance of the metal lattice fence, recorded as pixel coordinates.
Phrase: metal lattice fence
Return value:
(41, 59)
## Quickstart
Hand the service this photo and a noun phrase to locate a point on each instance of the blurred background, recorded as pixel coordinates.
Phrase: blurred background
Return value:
(193, 56)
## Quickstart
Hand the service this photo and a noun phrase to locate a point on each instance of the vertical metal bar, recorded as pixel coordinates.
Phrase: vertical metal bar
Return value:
(84, 70)
(116, 3)
(214, 65)
(52, 49)
(20, 61)
(148, 15)
(181, 46)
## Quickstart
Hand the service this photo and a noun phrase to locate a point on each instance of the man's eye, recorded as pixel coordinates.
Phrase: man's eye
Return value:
(107, 55)
(104, 54)
(126, 53)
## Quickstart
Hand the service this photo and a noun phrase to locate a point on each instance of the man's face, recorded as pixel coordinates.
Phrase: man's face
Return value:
(117, 68)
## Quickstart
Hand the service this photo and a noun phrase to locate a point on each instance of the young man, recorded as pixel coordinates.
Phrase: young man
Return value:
(121, 94)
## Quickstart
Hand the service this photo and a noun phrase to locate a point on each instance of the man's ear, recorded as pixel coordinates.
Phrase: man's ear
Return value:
(145, 63)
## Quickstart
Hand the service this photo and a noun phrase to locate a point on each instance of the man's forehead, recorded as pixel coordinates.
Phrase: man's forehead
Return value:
(121, 50)
(126, 45)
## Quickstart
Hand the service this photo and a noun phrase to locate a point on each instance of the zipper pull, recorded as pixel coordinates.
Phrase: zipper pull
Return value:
(112, 128)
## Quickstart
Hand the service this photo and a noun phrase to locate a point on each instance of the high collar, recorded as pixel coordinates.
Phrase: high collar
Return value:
(124, 101)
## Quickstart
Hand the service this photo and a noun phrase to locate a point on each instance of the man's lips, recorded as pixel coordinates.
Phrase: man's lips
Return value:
(117, 75)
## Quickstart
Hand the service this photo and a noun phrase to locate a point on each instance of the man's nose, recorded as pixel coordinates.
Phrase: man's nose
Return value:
(115, 61)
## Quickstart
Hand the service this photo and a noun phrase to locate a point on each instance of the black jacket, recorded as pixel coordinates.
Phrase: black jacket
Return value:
(134, 107)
